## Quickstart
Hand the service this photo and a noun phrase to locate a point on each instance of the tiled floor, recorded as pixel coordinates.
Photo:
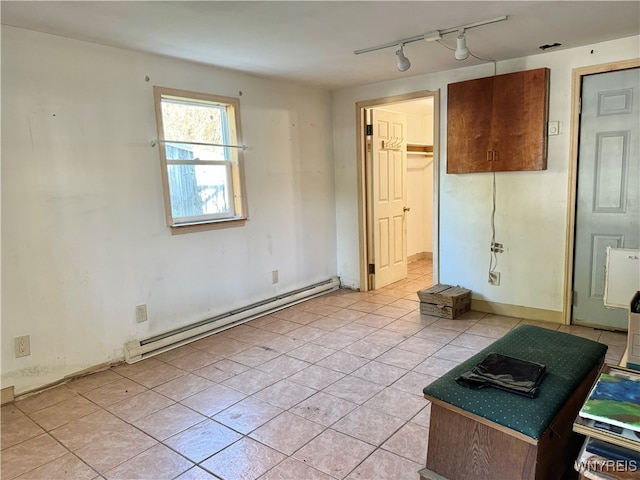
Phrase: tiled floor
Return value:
(331, 388)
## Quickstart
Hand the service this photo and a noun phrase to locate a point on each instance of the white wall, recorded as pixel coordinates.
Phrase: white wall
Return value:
(83, 233)
(420, 185)
(531, 206)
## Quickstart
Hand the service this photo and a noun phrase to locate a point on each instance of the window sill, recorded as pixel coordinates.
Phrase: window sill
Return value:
(202, 227)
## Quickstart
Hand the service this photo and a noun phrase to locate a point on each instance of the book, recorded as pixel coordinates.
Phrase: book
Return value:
(615, 400)
(604, 461)
(608, 433)
(612, 451)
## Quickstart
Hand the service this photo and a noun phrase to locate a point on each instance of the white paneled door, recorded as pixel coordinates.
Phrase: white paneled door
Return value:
(389, 197)
(608, 190)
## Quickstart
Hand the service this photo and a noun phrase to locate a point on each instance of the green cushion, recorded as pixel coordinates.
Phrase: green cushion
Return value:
(568, 359)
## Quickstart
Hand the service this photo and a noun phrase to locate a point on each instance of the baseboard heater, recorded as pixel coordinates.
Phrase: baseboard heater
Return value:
(140, 349)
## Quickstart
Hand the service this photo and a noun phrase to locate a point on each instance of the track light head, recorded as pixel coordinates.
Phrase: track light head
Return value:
(462, 52)
(403, 62)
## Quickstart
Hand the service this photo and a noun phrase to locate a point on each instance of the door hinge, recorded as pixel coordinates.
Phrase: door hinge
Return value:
(574, 298)
(369, 130)
(579, 105)
(372, 269)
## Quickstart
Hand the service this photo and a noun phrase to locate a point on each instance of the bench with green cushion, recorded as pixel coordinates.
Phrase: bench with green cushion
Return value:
(505, 429)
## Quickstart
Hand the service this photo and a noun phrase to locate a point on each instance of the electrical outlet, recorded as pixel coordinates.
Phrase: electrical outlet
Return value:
(274, 277)
(141, 313)
(494, 278)
(22, 346)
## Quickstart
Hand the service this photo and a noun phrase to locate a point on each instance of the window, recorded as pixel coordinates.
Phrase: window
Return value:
(201, 158)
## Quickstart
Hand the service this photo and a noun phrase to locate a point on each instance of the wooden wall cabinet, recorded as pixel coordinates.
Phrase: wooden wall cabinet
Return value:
(499, 123)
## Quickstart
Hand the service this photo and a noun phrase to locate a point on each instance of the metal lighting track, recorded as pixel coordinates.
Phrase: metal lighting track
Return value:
(431, 35)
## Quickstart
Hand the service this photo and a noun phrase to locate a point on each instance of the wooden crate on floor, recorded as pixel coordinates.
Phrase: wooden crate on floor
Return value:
(444, 301)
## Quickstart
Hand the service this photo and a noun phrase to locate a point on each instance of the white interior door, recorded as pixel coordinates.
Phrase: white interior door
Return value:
(608, 190)
(389, 197)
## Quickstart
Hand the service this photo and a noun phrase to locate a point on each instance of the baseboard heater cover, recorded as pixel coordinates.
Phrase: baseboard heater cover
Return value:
(140, 349)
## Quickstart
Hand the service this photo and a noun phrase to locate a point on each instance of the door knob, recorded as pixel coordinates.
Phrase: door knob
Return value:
(406, 209)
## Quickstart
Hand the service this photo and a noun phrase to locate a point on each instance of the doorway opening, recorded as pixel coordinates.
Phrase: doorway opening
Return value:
(413, 231)
(603, 188)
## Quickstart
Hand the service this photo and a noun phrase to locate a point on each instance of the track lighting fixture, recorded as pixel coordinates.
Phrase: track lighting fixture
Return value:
(461, 52)
(403, 62)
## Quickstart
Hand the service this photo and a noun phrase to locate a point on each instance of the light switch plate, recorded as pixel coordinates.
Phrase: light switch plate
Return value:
(141, 313)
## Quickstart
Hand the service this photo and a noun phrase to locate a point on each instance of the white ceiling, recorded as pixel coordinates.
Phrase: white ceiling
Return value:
(314, 41)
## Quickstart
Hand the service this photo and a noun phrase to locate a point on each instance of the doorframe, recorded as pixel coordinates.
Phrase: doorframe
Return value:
(576, 94)
(362, 178)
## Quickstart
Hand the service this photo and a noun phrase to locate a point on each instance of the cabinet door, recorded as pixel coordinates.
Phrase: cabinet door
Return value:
(519, 121)
(498, 123)
(469, 125)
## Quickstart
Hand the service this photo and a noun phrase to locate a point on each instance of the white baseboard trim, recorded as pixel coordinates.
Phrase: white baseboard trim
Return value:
(7, 395)
(517, 311)
(420, 256)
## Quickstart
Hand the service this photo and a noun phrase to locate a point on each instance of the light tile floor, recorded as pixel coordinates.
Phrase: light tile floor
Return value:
(330, 388)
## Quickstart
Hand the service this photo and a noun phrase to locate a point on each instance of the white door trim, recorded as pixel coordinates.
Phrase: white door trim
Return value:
(363, 227)
(576, 92)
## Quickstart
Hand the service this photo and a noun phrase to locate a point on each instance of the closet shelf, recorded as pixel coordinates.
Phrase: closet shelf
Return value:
(415, 149)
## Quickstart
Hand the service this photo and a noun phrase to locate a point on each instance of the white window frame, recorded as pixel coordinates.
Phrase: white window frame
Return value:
(234, 164)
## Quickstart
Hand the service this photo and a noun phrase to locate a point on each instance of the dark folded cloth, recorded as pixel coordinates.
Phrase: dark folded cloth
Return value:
(506, 373)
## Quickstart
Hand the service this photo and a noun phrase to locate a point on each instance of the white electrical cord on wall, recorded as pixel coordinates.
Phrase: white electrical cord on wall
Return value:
(493, 259)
